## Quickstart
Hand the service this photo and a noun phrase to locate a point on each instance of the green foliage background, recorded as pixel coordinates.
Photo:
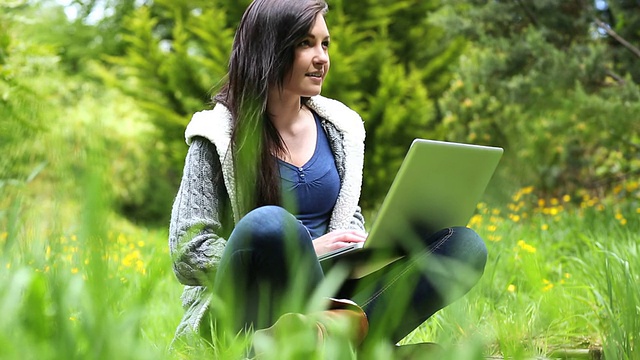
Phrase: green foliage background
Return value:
(176, 55)
(538, 78)
(541, 79)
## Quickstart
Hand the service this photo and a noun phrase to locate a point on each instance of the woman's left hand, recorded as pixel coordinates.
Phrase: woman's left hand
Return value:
(337, 239)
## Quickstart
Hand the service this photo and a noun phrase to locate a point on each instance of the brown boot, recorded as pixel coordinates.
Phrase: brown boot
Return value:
(300, 335)
(347, 314)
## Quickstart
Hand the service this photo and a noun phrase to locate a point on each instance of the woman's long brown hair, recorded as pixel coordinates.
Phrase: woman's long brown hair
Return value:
(262, 56)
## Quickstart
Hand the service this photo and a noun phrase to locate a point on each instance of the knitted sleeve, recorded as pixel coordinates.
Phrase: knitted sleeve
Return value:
(195, 243)
(357, 222)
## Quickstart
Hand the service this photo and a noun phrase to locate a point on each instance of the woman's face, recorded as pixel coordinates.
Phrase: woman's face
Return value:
(310, 63)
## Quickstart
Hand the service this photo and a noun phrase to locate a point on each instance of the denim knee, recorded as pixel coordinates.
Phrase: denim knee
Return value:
(266, 228)
(471, 249)
(265, 222)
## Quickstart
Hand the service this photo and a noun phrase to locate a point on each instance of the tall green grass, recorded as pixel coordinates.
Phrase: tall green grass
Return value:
(78, 282)
(561, 275)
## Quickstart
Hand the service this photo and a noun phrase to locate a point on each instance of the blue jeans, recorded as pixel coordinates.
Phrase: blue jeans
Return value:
(269, 267)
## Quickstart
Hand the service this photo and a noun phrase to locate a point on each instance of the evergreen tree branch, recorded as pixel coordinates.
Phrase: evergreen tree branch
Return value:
(616, 77)
(617, 37)
(528, 12)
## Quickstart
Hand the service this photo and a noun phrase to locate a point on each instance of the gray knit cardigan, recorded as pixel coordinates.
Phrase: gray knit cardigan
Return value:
(204, 211)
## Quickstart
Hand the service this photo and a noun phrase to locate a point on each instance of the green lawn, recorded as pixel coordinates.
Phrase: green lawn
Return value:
(78, 282)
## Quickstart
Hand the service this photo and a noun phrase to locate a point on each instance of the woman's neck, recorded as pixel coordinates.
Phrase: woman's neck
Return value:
(296, 126)
(286, 113)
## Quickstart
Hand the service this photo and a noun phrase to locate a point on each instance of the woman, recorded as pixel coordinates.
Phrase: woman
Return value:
(272, 179)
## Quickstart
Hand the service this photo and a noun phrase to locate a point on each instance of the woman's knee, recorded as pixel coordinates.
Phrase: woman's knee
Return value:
(470, 248)
(265, 221)
(266, 227)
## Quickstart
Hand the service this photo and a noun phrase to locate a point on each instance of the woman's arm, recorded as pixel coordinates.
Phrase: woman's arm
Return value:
(357, 222)
(195, 242)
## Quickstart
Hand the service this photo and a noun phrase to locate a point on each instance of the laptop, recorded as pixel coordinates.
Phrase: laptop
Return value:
(437, 186)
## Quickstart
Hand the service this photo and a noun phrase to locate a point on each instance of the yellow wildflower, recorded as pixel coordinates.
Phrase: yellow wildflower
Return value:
(511, 288)
(527, 190)
(544, 227)
(475, 220)
(566, 198)
(617, 189)
(621, 218)
(548, 285)
(140, 267)
(130, 258)
(526, 247)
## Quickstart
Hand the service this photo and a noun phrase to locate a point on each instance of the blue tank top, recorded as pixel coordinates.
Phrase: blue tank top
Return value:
(310, 192)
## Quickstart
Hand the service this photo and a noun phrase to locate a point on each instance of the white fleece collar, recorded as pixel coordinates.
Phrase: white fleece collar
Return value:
(350, 125)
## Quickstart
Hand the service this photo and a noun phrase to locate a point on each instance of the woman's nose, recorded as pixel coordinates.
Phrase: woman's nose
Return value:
(322, 56)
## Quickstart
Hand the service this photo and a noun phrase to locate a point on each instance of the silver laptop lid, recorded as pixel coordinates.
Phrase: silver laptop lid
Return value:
(437, 186)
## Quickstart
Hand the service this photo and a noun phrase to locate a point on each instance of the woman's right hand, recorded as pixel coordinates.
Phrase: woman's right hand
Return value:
(337, 239)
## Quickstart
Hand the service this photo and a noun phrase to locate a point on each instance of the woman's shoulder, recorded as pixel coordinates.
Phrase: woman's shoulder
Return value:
(214, 125)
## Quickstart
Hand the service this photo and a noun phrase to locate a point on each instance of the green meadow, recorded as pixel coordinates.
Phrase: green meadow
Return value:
(80, 281)
(93, 111)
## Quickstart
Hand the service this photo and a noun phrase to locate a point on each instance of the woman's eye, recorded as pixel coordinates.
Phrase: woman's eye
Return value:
(304, 43)
(326, 44)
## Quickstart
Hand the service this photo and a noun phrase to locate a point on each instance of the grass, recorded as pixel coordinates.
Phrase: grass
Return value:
(79, 282)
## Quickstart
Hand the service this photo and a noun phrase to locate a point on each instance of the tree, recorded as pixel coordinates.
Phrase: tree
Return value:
(540, 80)
(620, 21)
(23, 100)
